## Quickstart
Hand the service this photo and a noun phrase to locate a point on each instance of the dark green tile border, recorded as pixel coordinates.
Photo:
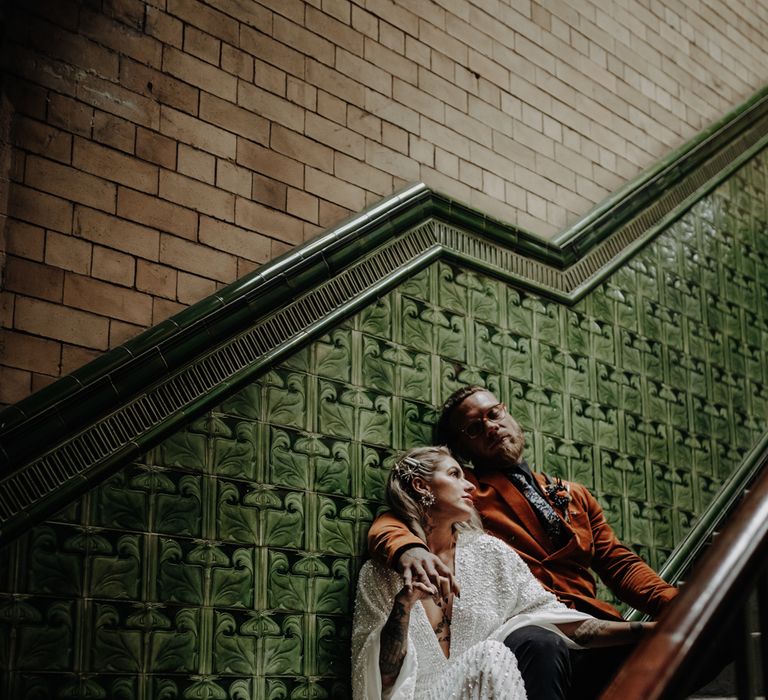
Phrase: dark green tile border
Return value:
(98, 420)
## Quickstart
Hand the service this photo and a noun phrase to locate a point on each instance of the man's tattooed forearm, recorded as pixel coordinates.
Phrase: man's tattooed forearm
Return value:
(636, 627)
(588, 630)
(394, 641)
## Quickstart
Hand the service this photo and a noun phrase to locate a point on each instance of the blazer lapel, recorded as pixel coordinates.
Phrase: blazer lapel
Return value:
(570, 543)
(519, 505)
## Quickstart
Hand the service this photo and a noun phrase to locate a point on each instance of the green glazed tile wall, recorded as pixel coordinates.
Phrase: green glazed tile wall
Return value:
(222, 565)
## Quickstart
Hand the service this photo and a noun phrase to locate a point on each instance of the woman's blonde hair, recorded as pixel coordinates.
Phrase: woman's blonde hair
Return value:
(402, 497)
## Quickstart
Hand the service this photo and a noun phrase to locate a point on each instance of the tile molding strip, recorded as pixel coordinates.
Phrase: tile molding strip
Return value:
(329, 277)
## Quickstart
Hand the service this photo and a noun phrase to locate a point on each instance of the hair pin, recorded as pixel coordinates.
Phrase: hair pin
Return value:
(407, 468)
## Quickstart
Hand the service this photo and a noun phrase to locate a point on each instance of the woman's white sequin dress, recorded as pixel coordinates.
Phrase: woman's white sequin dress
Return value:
(498, 595)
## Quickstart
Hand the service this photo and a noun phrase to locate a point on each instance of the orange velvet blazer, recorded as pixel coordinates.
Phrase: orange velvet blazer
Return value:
(591, 544)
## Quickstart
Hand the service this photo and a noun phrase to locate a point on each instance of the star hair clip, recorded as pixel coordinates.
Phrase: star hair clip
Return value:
(406, 469)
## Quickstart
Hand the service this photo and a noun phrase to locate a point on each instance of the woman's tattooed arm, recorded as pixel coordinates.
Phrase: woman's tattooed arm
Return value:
(394, 642)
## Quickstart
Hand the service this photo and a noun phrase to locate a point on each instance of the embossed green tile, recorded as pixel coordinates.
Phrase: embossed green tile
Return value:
(281, 638)
(519, 313)
(55, 559)
(374, 418)
(286, 399)
(204, 573)
(142, 638)
(577, 329)
(417, 328)
(43, 631)
(551, 372)
(288, 460)
(453, 287)
(238, 515)
(333, 465)
(337, 529)
(235, 446)
(414, 374)
(603, 346)
(418, 285)
(332, 587)
(485, 295)
(379, 363)
(223, 563)
(283, 517)
(602, 303)
(235, 643)
(332, 655)
(184, 449)
(336, 410)
(287, 589)
(578, 374)
(178, 504)
(550, 411)
(612, 477)
(614, 510)
(116, 575)
(417, 422)
(519, 406)
(376, 318)
(376, 463)
(583, 468)
(333, 355)
(451, 334)
(246, 403)
(123, 500)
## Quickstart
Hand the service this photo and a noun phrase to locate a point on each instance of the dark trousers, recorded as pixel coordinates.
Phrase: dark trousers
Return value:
(543, 660)
(552, 671)
(593, 669)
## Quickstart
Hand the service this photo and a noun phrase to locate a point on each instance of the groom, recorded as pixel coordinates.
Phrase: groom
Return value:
(558, 529)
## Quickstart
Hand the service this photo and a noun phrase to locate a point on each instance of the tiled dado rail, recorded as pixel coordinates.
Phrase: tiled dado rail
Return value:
(185, 517)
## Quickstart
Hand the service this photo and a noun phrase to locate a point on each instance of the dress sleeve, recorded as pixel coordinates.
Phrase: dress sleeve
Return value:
(373, 605)
(625, 573)
(529, 603)
(531, 595)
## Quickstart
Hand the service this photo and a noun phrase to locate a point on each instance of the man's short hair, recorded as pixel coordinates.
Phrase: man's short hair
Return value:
(443, 433)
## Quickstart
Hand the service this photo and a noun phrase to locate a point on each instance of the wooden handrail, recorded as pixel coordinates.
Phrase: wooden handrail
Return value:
(666, 663)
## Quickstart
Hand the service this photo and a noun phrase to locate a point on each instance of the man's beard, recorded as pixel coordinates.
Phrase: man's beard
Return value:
(511, 448)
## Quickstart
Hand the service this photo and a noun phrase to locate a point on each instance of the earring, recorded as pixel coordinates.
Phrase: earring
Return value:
(427, 499)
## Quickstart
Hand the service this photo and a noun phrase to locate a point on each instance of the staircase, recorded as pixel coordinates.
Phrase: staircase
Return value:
(722, 609)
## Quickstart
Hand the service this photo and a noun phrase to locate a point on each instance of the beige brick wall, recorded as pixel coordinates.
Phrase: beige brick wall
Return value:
(160, 149)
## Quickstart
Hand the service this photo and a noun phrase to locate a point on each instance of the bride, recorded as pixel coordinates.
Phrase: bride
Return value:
(411, 642)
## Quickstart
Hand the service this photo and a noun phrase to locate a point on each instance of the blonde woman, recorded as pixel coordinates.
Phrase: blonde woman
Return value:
(411, 642)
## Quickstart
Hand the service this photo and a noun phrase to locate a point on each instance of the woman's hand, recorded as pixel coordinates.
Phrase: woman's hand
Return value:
(415, 591)
(419, 565)
(394, 635)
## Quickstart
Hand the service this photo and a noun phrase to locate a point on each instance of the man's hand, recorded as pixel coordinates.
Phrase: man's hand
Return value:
(419, 565)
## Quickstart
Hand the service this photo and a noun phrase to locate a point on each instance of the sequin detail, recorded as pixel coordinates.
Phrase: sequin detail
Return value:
(497, 589)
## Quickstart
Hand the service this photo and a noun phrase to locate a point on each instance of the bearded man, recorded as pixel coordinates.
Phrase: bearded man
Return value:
(557, 527)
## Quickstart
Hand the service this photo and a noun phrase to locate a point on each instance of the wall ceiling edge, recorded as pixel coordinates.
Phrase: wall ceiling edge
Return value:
(68, 437)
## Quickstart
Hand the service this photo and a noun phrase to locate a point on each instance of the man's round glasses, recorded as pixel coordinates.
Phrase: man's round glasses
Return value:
(475, 428)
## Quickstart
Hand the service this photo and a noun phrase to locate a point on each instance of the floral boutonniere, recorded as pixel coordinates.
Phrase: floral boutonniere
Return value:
(559, 493)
